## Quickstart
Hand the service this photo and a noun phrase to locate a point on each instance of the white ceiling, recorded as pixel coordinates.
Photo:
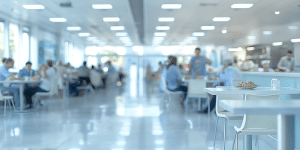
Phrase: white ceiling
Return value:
(188, 19)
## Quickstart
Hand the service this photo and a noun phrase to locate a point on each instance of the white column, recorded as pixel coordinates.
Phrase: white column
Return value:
(20, 48)
(6, 39)
(34, 47)
(297, 57)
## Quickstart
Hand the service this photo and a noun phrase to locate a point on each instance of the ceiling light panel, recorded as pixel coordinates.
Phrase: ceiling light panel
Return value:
(102, 6)
(117, 28)
(277, 43)
(160, 34)
(267, 32)
(223, 19)
(121, 34)
(84, 34)
(166, 19)
(34, 6)
(74, 28)
(171, 6)
(293, 27)
(207, 27)
(198, 34)
(235, 49)
(162, 28)
(224, 31)
(277, 12)
(58, 19)
(241, 6)
(295, 40)
(111, 19)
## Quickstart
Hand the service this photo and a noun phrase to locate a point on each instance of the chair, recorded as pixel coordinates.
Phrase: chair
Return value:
(257, 124)
(53, 91)
(86, 89)
(222, 113)
(195, 90)
(168, 92)
(7, 98)
(235, 82)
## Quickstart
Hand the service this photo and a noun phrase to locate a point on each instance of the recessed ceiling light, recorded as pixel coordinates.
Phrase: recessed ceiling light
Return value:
(91, 38)
(293, 27)
(84, 34)
(162, 27)
(224, 31)
(207, 27)
(250, 48)
(111, 19)
(267, 32)
(34, 6)
(74, 28)
(221, 19)
(198, 34)
(58, 19)
(117, 28)
(160, 34)
(295, 40)
(241, 5)
(102, 6)
(171, 6)
(277, 43)
(166, 19)
(121, 34)
(277, 12)
(235, 49)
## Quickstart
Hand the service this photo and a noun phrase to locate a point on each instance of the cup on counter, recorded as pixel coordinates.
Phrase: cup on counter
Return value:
(275, 84)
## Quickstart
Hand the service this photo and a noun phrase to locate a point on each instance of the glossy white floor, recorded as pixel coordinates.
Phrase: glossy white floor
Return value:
(129, 117)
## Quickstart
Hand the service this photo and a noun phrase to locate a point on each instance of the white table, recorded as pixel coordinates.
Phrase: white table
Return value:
(286, 111)
(256, 91)
(21, 84)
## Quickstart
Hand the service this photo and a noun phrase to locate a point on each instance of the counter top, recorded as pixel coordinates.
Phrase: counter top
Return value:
(276, 74)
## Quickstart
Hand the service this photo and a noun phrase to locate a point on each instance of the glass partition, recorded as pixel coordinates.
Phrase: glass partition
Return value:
(14, 43)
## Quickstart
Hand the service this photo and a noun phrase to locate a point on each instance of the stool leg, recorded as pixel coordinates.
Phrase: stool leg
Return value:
(4, 107)
(12, 101)
(234, 140)
(225, 121)
(216, 128)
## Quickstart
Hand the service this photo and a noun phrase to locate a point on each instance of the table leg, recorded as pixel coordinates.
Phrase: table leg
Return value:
(247, 142)
(286, 132)
(21, 89)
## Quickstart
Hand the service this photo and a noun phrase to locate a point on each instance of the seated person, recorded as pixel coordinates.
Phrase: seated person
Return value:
(74, 84)
(49, 74)
(6, 75)
(227, 74)
(267, 68)
(27, 71)
(247, 65)
(195, 75)
(173, 79)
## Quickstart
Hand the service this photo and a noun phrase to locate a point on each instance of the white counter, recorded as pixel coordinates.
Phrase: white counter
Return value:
(275, 74)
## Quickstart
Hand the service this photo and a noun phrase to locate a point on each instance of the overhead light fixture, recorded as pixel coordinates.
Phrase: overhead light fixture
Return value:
(162, 28)
(241, 5)
(84, 34)
(74, 28)
(198, 34)
(111, 19)
(166, 19)
(160, 34)
(207, 27)
(117, 28)
(252, 37)
(293, 27)
(91, 38)
(58, 19)
(102, 6)
(295, 40)
(221, 19)
(121, 34)
(34, 6)
(235, 49)
(277, 43)
(277, 12)
(171, 6)
(224, 31)
(250, 48)
(267, 32)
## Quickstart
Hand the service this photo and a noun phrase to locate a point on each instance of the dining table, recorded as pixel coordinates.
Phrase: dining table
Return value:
(255, 91)
(21, 84)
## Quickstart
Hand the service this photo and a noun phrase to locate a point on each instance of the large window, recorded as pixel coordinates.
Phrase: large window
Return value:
(1, 40)
(25, 52)
(13, 43)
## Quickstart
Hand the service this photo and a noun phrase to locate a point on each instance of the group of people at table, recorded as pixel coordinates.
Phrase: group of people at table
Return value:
(46, 74)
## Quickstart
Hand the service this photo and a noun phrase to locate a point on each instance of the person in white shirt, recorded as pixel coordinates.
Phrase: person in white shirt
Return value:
(247, 65)
(267, 68)
(286, 63)
(49, 74)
